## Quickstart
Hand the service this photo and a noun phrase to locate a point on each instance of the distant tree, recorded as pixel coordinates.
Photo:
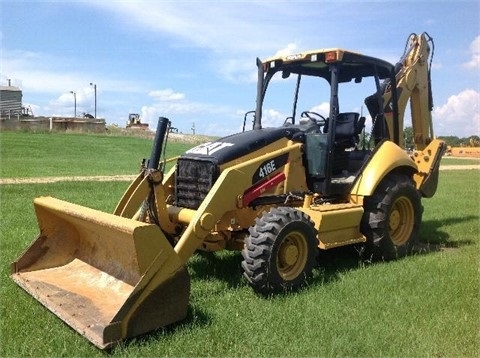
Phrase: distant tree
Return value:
(452, 141)
(365, 142)
(474, 141)
(408, 138)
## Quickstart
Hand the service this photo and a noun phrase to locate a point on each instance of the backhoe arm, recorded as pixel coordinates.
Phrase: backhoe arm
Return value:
(413, 83)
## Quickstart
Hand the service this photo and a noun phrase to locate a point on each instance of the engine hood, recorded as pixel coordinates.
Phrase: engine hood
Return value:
(237, 145)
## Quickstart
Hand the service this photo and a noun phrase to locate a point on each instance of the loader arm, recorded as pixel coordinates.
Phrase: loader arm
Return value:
(147, 192)
(222, 198)
(144, 200)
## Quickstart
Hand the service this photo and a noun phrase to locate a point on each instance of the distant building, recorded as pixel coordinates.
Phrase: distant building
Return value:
(10, 101)
(14, 116)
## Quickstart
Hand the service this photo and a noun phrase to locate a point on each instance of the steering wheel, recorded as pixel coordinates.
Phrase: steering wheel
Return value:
(321, 120)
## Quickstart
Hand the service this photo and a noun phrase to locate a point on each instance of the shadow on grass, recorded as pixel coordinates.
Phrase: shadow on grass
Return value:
(432, 235)
(196, 318)
(225, 266)
(332, 264)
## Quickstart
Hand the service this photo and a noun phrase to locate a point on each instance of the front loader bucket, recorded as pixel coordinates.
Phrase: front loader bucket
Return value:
(107, 276)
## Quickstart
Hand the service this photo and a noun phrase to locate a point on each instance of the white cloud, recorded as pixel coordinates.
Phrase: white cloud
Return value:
(289, 50)
(475, 53)
(149, 115)
(47, 74)
(46, 81)
(436, 65)
(32, 71)
(322, 108)
(196, 23)
(238, 70)
(460, 116)
(166, 95)
(64, 104)
(231, 34)
(272, 118)
(169, 102)
(183, 112)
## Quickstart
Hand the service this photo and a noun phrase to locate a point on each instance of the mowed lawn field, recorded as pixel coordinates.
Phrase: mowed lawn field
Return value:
(425, 305)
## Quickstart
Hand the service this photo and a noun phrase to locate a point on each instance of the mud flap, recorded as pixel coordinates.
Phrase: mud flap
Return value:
(106, 276)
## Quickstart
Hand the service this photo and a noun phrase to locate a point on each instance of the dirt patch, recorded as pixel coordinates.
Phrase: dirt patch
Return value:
(47, 180)
(460, 167)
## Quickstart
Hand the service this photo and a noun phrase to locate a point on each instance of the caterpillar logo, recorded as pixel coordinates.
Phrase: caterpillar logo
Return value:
(209, 148)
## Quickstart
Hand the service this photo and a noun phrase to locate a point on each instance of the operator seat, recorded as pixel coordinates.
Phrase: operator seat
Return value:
(348, 128)
(349, 125)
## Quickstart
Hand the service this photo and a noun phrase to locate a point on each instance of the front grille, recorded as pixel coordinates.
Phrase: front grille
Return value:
(194, 179)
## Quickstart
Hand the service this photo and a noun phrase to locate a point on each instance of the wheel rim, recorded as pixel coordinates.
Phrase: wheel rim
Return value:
(401, 221)
(292, 255)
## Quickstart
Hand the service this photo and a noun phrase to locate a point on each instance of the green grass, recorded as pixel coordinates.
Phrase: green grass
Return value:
(26, 155)
(460, 161)
(424, 305)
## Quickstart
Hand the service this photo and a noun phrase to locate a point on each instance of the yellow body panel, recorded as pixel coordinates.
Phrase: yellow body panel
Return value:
(337, 224)
(225, 197)
(385, 159)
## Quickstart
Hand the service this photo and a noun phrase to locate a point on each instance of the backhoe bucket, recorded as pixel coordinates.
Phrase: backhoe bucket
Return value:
(107, 276)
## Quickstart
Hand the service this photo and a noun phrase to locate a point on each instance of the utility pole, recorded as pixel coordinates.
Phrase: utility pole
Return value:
(95, 92)
(74, 104)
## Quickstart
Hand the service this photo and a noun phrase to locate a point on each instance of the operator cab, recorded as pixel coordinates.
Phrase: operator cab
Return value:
(328, 89)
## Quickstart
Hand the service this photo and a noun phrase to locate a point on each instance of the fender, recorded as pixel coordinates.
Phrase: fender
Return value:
(386, 158)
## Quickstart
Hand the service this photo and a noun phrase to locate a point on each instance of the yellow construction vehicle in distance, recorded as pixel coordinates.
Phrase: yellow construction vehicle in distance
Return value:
(277, 194)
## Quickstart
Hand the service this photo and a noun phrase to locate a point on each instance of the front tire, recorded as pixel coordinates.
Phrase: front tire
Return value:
(279, 254)
(392, 218)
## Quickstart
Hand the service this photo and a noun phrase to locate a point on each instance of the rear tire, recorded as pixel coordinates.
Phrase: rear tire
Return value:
(279, 254)
(392, 218)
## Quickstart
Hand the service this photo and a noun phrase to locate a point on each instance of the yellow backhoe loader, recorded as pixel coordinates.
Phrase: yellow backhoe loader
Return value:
(279, 194)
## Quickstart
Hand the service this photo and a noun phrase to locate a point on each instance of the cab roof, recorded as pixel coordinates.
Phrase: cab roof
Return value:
(317, 63)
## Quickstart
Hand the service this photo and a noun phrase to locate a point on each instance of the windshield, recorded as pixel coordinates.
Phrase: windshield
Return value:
(279, 100)
(281, 103)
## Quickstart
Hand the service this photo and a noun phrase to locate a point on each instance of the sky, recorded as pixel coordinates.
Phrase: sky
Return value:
(194, 61)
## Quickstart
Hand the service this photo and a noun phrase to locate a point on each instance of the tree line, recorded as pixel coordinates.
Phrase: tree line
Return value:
(452, 141)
